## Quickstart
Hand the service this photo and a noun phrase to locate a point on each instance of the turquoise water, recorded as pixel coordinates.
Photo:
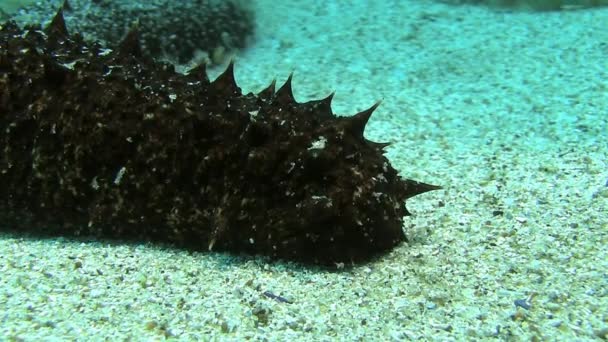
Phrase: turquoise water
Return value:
(506, 109)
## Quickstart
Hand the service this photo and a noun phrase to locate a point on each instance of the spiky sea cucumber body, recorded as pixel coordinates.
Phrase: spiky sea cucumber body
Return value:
(112, 144)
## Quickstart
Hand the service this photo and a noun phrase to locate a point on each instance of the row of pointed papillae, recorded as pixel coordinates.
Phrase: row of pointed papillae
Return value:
(285, 95)
(356, 123)
(130, 45)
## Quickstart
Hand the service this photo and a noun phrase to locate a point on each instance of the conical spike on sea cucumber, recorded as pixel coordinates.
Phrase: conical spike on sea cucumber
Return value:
(356, 123)
(130, 44)
(414, 188)
(226, 81)
(199, 73)
(285, 93)
(66, 6)
(378, 145)
(324, 105)
(268, 92)
(57, 25)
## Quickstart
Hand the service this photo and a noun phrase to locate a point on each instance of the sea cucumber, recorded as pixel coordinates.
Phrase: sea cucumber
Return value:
(112, 144)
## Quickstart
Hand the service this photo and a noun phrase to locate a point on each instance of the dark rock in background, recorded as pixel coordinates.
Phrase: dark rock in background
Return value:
(181, 31)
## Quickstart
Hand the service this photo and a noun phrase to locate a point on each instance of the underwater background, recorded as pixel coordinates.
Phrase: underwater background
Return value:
(502, 104)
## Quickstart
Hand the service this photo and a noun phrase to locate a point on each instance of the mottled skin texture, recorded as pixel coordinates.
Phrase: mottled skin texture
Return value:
(112, 144)
(170, 29)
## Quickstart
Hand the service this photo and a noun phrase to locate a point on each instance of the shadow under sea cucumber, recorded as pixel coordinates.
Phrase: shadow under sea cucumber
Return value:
(113, 144)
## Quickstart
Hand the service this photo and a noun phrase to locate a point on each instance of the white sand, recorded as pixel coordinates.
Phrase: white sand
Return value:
(506, 110)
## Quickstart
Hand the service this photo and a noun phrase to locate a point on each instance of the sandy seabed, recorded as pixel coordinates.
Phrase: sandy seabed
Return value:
(504, 109)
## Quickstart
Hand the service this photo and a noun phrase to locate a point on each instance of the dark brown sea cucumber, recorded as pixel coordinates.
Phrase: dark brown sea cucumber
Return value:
(113, 144)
